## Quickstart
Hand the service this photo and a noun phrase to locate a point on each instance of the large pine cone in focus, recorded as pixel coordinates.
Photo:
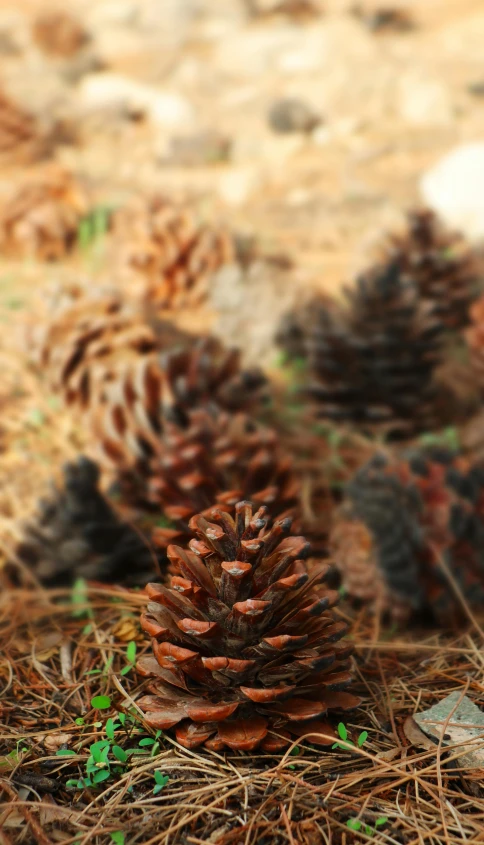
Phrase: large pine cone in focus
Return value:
(217, 460)
(175, 254)
(21, 139)
(77, 534)
(408, 529)
(441, 265)
(373, 363)
(246, 648)
(42, 217)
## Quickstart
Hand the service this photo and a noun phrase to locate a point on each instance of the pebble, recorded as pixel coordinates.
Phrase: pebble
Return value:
(114, 91)
(291, 114)
(454, 189)
(424, 101)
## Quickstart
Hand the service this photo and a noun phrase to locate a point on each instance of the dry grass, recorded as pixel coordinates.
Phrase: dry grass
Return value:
(304, 796)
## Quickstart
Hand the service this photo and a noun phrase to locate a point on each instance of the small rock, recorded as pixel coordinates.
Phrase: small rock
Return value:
(292, 115)
(99, 91)
(424, 102)
(454, 189)
(476, 88)
(198, 150)
(384, 19)
(237, 184)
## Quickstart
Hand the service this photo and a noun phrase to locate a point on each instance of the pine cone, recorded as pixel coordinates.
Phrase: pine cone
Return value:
(42, 217)
(441, 265)
(21, 139)
(246, 649)
(405, 526)
(140, 400)
(59, 34)
(176, 255)
(77, 534)
(475, 341)
(375, 360)
(217, 460)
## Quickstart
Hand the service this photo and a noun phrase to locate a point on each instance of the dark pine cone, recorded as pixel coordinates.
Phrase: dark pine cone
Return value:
(76, 534)
(440, 263)
(246, 649)
(410, 536)
(217, 460)
(374, 361)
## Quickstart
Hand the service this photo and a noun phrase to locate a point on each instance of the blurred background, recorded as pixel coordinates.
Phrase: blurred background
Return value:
(306, 128)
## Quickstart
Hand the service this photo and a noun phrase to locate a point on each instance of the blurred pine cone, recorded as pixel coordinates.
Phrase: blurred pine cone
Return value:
(440, 263)
(408, 530)
(100, 355)
(77, 534)
(176, 254)
(41, 219)
(59, 34)
(22, 141)
(475, 341)
(374, 361)
(246, 648)
(216, 460)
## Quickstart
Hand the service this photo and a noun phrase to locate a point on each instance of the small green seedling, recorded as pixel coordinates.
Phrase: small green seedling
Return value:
(161, 781)
(347, 744)
(117, 836)
(356, 825)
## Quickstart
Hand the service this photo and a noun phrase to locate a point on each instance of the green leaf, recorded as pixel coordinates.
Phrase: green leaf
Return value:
(101, 702)
(144, 743)
(79, 596)
(161, 779)
(97, 749)
(100, 776)
(131, 651)
(126, 669)
(342, 732)
(353, 824)
(122, 718)
(117, 837)
(73, 783)
(381, 820)
(119, 753)
(110, 729)
(80, 721)
(362, 738)
(295, 751)
(154, 749)
(65, 752)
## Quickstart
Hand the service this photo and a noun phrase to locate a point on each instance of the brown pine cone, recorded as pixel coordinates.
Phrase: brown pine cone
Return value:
(175, 254)
(59, 34)
(21, 139)
(77, 534)
(475, 341)
(246, 648)
(217, 460)
(41, 219)
(441, 265)
(409, 531)
(373, 363)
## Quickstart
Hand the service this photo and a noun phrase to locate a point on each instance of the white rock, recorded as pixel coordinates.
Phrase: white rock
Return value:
(114, 91)
(454, 189)
(236, 184)
(424, 102)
